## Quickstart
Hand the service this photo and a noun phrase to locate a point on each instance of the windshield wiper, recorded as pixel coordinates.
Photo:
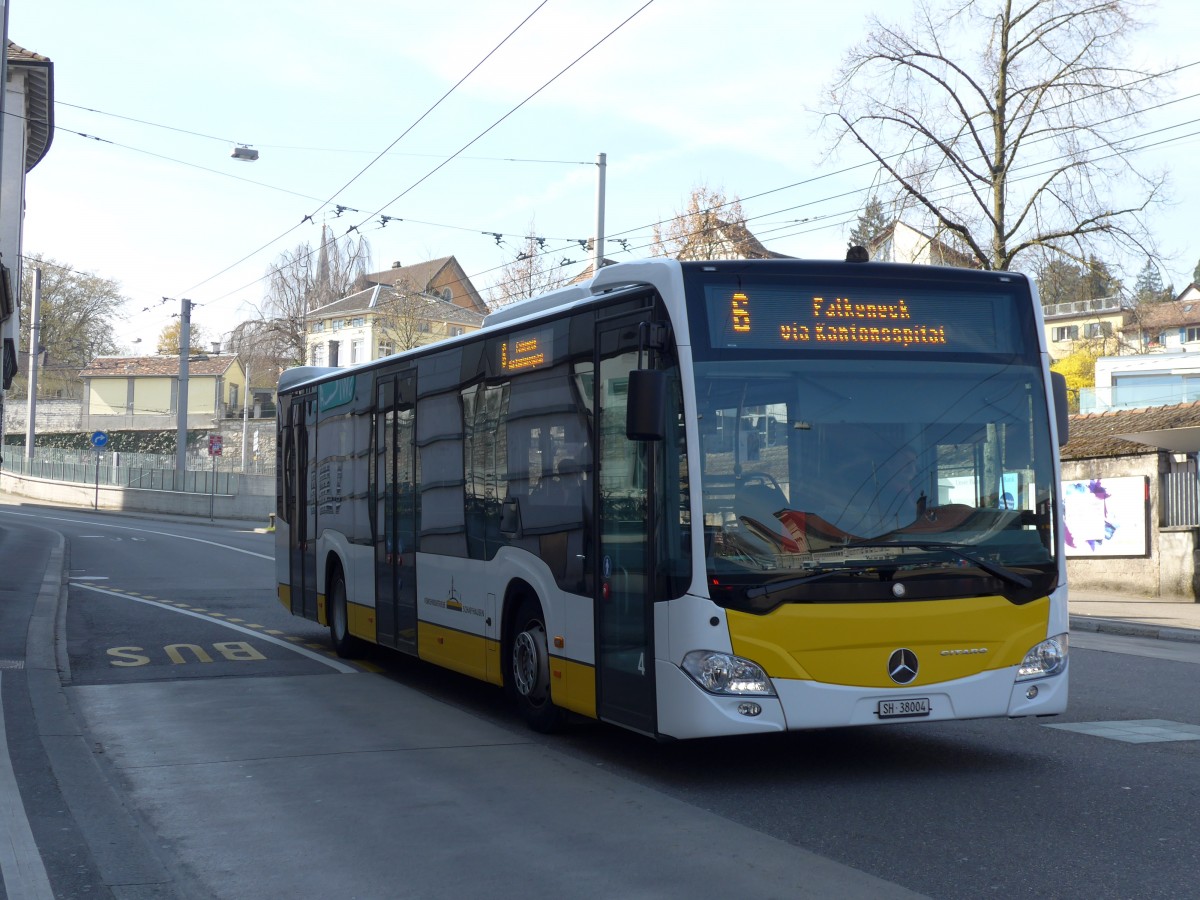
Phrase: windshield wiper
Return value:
(958, 550)
(775, 587)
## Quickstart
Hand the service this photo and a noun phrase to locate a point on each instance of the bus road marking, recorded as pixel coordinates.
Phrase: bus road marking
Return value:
(316, 657)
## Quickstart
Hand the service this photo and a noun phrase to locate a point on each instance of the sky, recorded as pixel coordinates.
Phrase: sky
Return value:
(139, 185)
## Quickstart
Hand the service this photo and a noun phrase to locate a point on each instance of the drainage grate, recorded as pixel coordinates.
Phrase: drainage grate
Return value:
(1136, 731)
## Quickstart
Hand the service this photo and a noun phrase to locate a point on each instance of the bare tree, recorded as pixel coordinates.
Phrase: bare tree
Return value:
(711, 227)
(529, 274)
(403, 317)
(305, 279)
(1001, 122)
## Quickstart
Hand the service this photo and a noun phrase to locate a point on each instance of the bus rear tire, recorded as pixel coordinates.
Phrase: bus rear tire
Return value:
(344, 643)
(529, 669)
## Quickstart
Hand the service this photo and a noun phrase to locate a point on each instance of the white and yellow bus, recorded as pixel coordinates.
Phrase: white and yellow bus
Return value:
(701, 498)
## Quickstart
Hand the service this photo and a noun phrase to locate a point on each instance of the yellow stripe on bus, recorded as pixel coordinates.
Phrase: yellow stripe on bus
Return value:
(849, 643)
(456, 650)
(284, 593)
(573, 685)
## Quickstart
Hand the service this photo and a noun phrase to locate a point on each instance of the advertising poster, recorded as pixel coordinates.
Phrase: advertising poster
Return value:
(1106, 516)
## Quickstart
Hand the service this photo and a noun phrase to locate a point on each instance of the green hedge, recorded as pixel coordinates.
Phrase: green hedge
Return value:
(118, 441)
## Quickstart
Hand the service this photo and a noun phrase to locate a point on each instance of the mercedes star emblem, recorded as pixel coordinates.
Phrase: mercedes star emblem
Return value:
(902, 666)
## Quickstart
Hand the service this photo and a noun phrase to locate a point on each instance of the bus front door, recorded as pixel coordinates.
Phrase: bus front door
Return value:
(624, 605)
(396, 512)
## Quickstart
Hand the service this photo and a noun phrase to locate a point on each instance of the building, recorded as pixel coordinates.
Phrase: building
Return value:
(402, 308)
(1157, 362)
(28, 129)
(142, 392)
(904, 244)
(1132, 501)
(725, 240)
(1099, 324)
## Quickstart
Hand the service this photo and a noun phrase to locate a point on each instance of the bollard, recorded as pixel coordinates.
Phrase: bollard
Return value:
(271, 523)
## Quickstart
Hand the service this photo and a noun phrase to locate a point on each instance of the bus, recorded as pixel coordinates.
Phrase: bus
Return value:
(701, 498)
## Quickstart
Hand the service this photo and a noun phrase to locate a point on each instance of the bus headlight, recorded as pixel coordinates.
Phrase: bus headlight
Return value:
(724, 673)
(1045, 659)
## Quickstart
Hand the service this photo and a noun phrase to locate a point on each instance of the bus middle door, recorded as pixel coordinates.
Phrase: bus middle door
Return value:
(396, 512)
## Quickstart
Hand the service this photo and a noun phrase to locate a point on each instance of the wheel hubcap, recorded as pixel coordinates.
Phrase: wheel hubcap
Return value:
(530, 673)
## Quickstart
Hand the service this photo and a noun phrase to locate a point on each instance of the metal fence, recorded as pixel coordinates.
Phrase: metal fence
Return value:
(147, 471)
(1180, 499)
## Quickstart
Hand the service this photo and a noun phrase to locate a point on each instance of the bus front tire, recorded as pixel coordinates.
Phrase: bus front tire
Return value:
(529, 669)
(345, 644)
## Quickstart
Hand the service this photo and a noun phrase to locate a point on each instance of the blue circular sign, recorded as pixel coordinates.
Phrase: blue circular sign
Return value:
(99, 439)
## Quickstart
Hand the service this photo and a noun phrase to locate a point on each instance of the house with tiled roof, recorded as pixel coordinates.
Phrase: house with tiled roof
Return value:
(725, 240)
(381, 320)
(142, 392)
(28, 132)
(442, 277)
(1152, 451)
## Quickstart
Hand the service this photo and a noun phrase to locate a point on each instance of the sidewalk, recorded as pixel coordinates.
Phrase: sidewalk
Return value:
(1152, 617)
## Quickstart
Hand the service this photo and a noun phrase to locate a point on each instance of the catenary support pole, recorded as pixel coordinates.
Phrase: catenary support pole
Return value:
(185, 341)
(598, 244)
(35, 337)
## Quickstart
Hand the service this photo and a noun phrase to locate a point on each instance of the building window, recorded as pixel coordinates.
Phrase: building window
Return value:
(356, 348)
(318, 355)
(358, 322)
(1065, 333)
(385, 349)
(233, 396)
(1192, 333)
(1097, 329)
(456, 330)
(318, 326)
(424, 326)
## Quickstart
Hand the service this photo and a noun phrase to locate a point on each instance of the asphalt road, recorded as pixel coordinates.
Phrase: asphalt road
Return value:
(251, 763)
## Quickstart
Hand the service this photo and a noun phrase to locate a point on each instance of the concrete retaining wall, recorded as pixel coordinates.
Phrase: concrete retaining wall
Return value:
(256, 501)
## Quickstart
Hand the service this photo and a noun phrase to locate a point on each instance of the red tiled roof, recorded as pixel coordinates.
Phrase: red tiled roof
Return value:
(1095, 435)
(126, 366)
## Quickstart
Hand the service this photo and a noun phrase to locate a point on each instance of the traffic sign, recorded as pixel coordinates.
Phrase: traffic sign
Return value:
(214, 445)
(99, 439)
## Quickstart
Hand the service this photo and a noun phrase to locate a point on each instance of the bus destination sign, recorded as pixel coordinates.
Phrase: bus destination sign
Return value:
(524, 352)
(871, 318)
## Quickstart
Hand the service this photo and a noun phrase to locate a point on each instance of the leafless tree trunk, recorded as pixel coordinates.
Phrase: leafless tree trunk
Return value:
(1003, 123)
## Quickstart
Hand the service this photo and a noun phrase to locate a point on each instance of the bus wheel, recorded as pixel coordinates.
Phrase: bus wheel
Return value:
(529, 668)
(344, 643)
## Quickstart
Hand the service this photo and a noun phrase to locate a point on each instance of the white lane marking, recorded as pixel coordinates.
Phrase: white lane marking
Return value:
(89, 578)
(21, 865)
(332, 663)
(182, 537)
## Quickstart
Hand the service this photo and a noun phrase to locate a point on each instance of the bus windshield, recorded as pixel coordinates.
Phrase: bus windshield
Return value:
(853, 468)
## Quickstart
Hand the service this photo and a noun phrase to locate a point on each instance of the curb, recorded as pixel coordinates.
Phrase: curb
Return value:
(1134, 629)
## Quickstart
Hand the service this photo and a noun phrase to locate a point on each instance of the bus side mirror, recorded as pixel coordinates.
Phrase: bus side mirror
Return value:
(646, 405)
(1061, 406)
